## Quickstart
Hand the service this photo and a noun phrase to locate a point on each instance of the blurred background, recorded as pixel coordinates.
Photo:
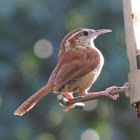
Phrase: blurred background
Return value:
(30, 37)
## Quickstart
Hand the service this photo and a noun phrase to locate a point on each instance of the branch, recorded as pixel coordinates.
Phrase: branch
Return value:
(77, 100)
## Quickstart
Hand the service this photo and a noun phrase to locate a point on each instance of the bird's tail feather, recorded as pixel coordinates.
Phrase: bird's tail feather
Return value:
(33, 100)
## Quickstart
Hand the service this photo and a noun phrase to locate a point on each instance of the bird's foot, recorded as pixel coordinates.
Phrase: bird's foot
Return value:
(69, 96)
(105, 93)
(108, 91)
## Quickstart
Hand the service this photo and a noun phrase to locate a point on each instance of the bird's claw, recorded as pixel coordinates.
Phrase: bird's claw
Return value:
(108, 91)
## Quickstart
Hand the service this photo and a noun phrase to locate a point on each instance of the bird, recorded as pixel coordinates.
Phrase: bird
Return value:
(79, 65)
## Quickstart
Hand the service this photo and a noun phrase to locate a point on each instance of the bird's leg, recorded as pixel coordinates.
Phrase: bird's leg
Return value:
(105, 93)
(69, 96)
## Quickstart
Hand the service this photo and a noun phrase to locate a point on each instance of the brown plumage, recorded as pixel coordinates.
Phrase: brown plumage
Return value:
(79, 65)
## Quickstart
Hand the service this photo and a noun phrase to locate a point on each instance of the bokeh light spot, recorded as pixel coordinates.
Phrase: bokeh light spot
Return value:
(90, 105)
(43, 48)
(55, 117)
(28, 65)
(90, 134)
(46, 136)
(75, 20)
(23, 132)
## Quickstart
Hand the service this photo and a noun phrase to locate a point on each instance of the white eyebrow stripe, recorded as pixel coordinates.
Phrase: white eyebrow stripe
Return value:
(67, 41)
(73, 35)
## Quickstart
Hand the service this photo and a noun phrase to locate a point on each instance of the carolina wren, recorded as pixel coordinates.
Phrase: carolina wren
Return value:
(79, 65)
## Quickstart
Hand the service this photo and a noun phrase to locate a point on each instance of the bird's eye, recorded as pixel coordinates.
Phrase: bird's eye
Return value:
(85, 33)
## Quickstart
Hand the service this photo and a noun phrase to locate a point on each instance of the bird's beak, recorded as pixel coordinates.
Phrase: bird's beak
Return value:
(101, 31)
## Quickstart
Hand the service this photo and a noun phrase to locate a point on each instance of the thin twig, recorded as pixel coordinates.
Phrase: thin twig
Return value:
(63, 101)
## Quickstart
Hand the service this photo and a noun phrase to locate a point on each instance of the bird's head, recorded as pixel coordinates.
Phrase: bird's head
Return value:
(81, 38)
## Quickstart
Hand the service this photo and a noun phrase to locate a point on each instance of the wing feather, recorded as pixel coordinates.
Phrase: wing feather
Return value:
(72, 71)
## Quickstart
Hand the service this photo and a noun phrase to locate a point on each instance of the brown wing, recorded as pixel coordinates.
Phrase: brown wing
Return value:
(73, 71)
(73, 65)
